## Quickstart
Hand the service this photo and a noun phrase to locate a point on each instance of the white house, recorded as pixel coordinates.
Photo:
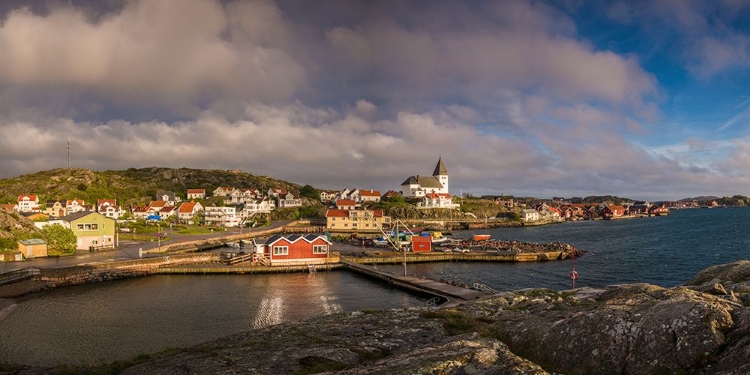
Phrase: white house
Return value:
(187, 211)
(437, 200)
(369, 195)
(258, 206)
(225, 216)
(109, 208)
(196, 194)
(419, 186)
(529, 215)
(28, 203)
(74, 205)
(289, 200)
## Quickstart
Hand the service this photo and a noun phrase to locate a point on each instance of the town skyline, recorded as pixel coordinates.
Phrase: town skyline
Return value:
(647, 100)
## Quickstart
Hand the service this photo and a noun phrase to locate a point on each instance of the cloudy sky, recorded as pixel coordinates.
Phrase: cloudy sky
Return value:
(644, 99)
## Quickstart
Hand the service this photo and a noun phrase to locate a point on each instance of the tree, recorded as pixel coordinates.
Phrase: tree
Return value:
(60, 240)
(308, 191)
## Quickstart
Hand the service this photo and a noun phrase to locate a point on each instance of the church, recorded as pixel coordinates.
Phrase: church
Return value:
(419, 186)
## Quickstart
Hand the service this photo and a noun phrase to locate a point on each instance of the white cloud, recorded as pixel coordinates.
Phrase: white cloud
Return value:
(160, 51)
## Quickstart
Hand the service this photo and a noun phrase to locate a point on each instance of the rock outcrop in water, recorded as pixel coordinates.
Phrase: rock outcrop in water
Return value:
(700, 328)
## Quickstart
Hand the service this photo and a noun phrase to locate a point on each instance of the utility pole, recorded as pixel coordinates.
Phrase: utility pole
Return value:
(68, 152)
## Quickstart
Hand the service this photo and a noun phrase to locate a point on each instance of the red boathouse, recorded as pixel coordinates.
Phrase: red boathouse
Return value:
(293, 249)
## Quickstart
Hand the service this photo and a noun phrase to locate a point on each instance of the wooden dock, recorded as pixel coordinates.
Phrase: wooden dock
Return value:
(451, 294)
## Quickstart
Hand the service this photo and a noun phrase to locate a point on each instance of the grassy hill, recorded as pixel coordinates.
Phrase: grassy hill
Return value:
(128, 186)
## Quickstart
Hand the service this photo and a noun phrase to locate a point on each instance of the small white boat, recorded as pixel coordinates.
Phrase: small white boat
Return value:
(233, 244)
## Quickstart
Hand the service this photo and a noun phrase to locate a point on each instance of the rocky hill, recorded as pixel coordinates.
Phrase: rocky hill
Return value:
(129, 185)
(14, 226)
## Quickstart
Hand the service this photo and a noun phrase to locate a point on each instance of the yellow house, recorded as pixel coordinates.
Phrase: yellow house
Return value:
(33, 248)
(92, 229)
(356, 220)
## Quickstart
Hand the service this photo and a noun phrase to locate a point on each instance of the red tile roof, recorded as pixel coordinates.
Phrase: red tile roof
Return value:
(187, 207)
(196, 191)
(370, 193)
(332, 212)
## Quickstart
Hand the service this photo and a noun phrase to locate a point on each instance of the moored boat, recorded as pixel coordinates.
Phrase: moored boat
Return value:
(481, 237)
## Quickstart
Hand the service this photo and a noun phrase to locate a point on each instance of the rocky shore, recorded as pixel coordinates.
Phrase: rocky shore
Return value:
(702, 327)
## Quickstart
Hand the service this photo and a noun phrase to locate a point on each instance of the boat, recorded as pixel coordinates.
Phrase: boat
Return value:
(233, 244)
(438, 238)
(481, 237)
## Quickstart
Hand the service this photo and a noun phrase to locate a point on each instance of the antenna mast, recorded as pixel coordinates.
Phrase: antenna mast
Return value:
(68, 152)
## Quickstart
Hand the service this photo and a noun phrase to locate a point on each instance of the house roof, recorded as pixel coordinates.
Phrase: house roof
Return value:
(187, 207)
(440, 168)
(33, 241)
(79, 202)
(370, 193)
(332, 212)
(196, 191)
(424, 182)
(8, 206)
(345, 202)
(437, 195)
(77, 215)
(112, 202)
(292, 238)
(31, 197)
(157, 204)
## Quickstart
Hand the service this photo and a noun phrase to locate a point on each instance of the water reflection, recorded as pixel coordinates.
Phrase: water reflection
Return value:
(97, 323)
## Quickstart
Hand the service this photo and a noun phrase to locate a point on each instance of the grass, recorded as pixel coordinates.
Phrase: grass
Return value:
(196, 230)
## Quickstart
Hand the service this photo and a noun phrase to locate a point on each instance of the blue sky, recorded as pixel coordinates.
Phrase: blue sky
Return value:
(644, 99)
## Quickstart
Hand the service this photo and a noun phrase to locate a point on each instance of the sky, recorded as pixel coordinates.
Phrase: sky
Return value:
(639, 99)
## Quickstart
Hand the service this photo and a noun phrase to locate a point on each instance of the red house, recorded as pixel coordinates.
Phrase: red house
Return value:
(613, 212)
(293, 249)
(421, 244)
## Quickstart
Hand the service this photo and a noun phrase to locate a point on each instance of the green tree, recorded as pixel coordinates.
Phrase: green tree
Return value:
(308, 191)
(60, 240)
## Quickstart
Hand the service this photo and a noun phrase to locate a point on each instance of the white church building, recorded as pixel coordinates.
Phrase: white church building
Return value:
(419, 186)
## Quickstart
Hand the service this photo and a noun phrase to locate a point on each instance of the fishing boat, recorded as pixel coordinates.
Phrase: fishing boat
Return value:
(481, 237)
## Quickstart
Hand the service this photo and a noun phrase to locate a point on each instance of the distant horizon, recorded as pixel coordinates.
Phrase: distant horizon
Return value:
(382, 191)
(649, 99)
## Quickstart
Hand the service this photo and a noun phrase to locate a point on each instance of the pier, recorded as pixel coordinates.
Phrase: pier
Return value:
(451, 294)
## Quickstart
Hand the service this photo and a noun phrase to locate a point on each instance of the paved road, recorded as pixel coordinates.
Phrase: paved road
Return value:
(126, 250)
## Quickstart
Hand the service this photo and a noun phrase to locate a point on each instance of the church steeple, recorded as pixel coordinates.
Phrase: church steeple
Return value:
(440, 168)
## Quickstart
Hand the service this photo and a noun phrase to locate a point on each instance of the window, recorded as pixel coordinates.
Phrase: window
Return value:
(320, 249)
(281, 250)
(84, 227)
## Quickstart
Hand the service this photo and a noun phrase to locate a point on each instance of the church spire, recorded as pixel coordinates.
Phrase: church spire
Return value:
(440, 168)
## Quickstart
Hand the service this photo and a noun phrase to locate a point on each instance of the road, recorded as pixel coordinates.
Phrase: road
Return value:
(125, 251)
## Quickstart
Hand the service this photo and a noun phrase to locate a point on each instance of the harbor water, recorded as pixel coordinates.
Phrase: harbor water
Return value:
(663, 250)
(98, 323)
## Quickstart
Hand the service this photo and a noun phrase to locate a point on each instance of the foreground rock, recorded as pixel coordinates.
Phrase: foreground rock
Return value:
(622, 329)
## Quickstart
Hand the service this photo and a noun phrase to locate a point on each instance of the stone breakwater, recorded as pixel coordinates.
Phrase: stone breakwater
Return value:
(701, 327)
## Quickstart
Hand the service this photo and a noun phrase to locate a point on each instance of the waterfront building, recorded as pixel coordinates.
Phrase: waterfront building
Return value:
(327, 195)
(33, 248)
(92, 229)
(293, 249)
(612, 211)
(418, 186)
(256, 207)
(529, 215)
(357, 220)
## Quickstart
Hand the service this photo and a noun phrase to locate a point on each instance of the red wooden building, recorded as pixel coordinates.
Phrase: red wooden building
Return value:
(613, 212)
(293, 249)
(421, 244)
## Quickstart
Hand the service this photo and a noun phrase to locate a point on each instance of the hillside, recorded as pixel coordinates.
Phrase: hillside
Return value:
(133, 184)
